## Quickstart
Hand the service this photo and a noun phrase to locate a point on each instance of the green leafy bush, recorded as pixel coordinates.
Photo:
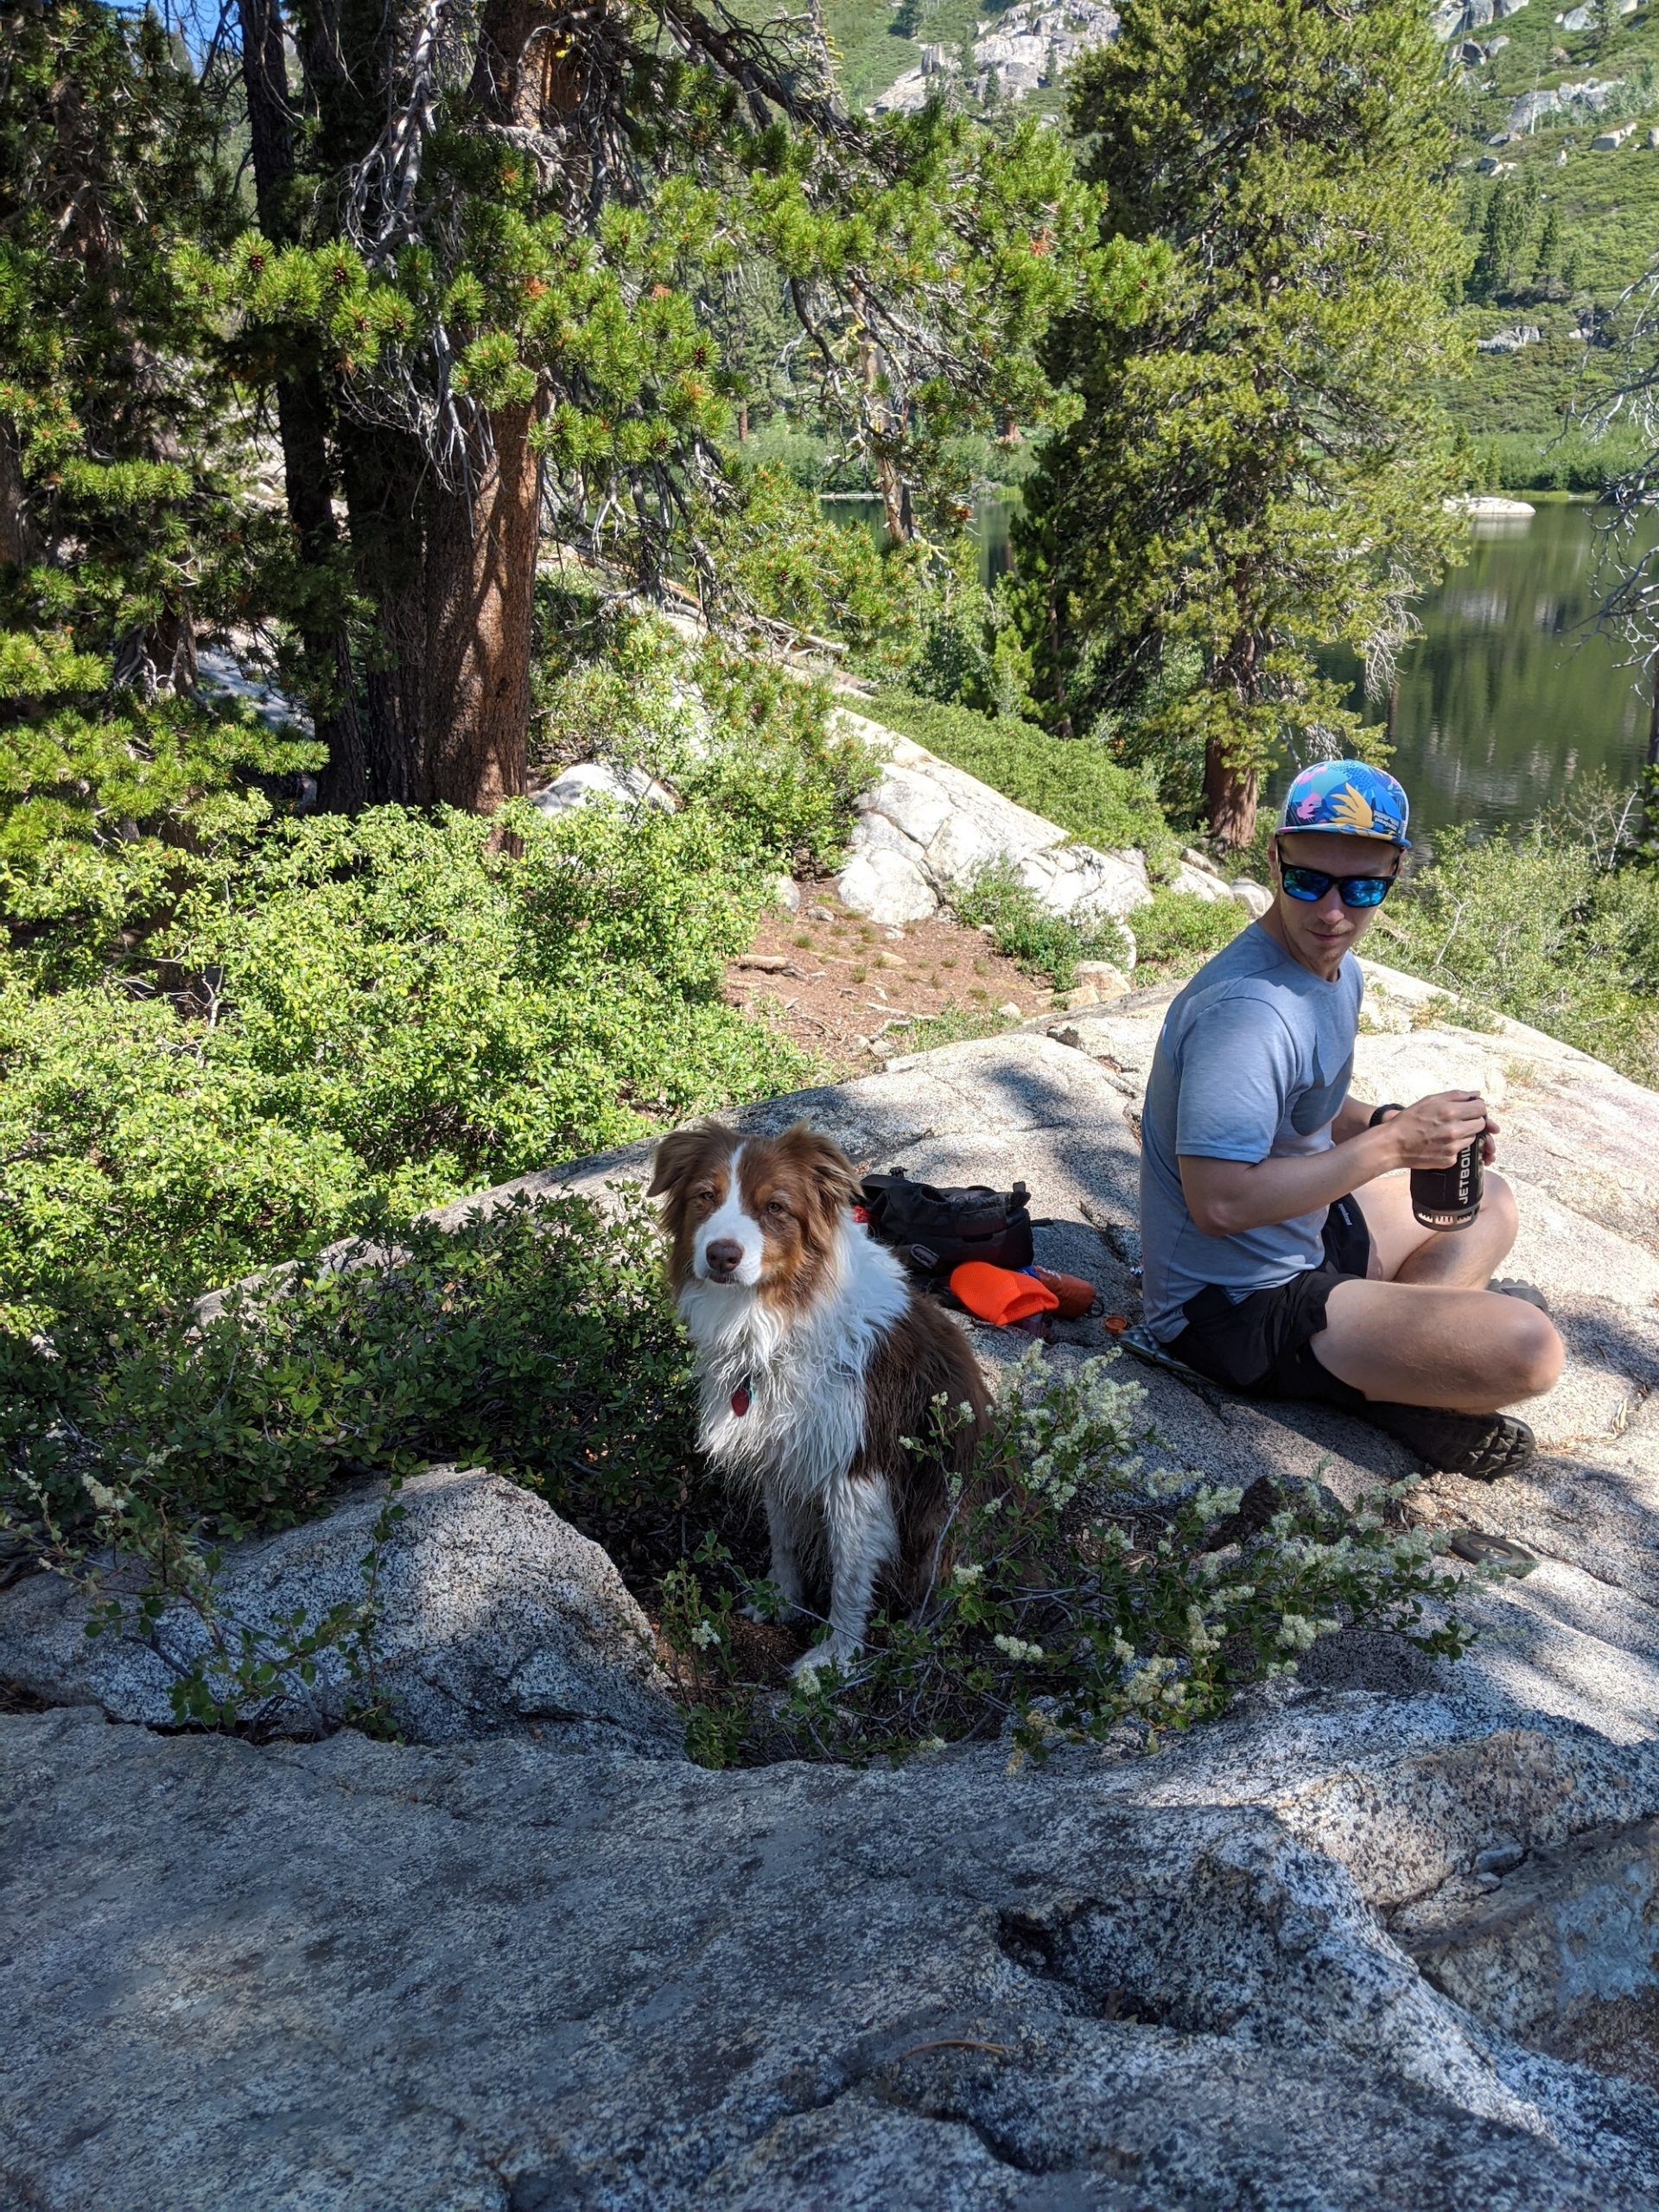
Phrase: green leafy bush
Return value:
(751, 746)
(1571, 461)
(1181, 929)
(1542, 928)
(344, 1020)
(775, 771)
(536, 1340)
(1086, 1587)
(1022, 929)
(1071, 781)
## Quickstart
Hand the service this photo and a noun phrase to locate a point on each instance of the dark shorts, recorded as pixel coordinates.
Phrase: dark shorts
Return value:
(1260, 1346)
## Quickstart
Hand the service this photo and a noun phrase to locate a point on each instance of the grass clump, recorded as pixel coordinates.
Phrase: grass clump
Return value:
(952, 1025)
(1180, 929)
(1043, 944)
(1070, 781)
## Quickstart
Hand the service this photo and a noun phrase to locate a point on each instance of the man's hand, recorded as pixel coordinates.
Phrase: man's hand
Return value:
(1434, 1131)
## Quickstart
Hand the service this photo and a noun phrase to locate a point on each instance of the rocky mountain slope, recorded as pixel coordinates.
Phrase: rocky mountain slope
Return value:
(1385, 1938)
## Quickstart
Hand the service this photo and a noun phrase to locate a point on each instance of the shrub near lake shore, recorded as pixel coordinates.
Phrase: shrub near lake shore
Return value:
(1547, 926)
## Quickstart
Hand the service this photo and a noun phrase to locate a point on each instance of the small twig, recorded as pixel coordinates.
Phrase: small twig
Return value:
(955, 2042)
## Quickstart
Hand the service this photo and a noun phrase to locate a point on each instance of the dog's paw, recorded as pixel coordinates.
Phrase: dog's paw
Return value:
(818, 1662)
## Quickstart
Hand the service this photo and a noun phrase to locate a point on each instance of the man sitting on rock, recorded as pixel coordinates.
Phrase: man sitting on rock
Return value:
(1282, 1258)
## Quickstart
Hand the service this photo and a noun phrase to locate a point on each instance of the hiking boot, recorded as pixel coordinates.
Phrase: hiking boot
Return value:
(1482, 1446)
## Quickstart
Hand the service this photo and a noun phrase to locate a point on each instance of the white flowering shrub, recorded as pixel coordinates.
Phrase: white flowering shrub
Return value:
(1083, 1586)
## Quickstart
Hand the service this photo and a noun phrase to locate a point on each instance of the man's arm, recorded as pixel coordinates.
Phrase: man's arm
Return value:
(1353, 1119)
(1227, 1196)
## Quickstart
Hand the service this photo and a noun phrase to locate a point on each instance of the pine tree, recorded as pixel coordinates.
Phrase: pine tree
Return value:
(1547, 268)
(124, 535)
(474, 291)
(1256, 470)
(118, 522)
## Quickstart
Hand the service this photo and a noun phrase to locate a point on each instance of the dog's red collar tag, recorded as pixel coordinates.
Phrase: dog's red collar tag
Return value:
(741, 1399)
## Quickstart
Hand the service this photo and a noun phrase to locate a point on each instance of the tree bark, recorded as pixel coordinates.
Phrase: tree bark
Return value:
(1230, 797)
(452, 568)
(18, 543)
(480, 585)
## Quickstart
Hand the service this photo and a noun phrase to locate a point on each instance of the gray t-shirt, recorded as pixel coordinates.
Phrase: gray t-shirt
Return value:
(1255, 1059)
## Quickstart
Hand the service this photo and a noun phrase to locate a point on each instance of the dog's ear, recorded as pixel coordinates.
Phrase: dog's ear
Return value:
(676, 1153)
(827, 1166)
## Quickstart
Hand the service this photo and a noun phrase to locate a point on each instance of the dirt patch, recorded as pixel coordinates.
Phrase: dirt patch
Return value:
(858, 994)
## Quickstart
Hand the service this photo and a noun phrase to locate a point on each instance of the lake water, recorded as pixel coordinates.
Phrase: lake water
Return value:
(1508, 694)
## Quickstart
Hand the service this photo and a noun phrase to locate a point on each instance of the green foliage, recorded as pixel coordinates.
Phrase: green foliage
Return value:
(776, 772)
(120, 523)
(1180, 929)
(1091, 1590)
(952, 1025)
(104, 797)
(969, 653)
(1255, 468)
(344, 1020)
(536, 1339)
(1545, 928)
(1574, 462)
(1516, 239)
(1045, 944)
(779, 555)
(744, 743)
(1072, 782)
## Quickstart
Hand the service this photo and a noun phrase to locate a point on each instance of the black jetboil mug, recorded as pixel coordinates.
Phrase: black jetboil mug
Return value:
(1449, 1198)
(1445, 1198)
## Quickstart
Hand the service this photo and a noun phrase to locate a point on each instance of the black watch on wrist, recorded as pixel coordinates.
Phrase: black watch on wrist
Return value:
(1377, 1112)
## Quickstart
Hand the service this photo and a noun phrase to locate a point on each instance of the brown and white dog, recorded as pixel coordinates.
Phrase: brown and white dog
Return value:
(817, 1359)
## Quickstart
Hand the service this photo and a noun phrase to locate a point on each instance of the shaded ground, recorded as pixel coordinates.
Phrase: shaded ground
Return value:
(855, 992)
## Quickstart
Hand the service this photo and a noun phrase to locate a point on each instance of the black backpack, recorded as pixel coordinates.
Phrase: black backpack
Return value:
(933, 1231)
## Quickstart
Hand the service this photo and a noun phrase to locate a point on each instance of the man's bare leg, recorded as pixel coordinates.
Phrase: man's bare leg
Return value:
(1429, 1333)
(1402, 1251)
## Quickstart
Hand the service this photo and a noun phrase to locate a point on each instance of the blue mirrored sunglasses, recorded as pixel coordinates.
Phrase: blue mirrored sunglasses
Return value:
(1311, 884)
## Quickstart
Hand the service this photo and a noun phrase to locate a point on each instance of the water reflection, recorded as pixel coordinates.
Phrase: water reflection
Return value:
(1508, 695)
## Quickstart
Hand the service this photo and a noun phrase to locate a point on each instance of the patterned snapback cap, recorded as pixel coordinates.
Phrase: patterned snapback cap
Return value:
(1348, 796)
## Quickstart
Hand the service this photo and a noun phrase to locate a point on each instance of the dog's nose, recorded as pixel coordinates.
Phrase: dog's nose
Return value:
(724, 1256)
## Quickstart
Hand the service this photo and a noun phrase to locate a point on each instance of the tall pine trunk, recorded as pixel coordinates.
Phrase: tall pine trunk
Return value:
(480, 583)
(1230, 797)
(1229, 793)
(451, 567)
(302, 409)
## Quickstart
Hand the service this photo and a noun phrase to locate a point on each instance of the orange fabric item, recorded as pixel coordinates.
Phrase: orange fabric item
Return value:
(1000, 1294)
(1076, 1296)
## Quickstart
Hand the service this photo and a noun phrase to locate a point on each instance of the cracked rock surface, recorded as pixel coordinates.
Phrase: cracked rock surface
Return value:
(1383, 1938)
